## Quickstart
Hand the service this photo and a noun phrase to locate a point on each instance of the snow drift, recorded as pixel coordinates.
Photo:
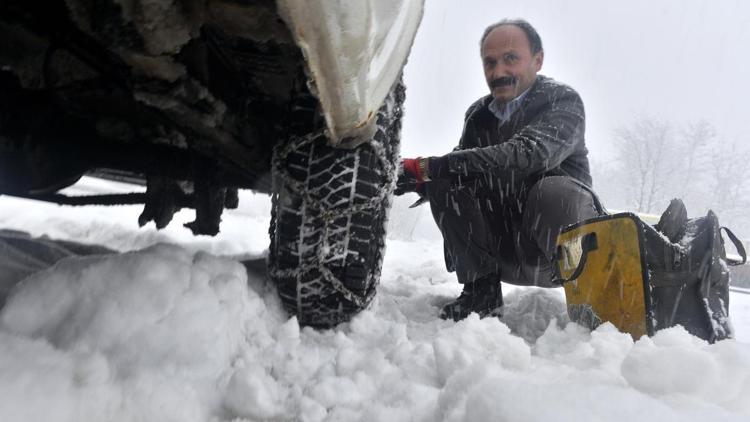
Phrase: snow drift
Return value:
(171, 333)
(147, 335)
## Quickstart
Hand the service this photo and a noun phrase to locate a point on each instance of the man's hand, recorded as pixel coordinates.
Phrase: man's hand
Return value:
(412, 175)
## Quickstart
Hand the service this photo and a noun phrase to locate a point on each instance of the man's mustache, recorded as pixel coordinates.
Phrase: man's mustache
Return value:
(504, 81)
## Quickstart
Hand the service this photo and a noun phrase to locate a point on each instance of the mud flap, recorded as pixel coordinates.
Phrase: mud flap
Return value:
(603, 263)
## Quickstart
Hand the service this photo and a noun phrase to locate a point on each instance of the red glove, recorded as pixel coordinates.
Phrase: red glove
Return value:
(417, 167)
(412, 176)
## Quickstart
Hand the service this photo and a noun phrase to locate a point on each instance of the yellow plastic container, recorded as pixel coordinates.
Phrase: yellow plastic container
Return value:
(604, 260)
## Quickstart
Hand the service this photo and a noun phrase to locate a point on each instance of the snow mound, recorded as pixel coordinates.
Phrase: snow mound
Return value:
(145, 335)
(167, 334)
(529, 311)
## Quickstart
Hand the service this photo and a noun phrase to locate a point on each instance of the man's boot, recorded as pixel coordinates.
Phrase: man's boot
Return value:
(484, 296)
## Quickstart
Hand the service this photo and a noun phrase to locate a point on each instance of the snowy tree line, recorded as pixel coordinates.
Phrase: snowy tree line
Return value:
(657, 160)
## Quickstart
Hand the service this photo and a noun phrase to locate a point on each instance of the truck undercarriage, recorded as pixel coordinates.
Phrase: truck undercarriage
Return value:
(198, 99)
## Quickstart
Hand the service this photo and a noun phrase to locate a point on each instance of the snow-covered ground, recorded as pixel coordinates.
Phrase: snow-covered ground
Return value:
(174, 328)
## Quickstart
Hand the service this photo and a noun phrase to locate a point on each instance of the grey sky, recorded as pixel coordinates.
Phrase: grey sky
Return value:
(674, 59)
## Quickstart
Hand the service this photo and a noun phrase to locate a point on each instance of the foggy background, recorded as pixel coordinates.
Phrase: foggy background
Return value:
(641, 67)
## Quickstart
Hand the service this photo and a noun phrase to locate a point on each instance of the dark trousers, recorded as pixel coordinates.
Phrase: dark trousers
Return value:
(507, 232)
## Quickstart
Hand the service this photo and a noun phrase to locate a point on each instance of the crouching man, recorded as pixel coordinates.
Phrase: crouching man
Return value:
(518, 175)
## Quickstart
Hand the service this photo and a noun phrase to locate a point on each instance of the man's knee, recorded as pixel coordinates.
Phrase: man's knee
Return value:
(561, 195)
(553, 203)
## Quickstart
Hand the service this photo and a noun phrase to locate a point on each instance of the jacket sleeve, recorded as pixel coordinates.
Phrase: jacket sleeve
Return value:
(541, 145)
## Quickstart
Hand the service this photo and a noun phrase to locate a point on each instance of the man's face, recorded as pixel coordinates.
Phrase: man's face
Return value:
(509, 66)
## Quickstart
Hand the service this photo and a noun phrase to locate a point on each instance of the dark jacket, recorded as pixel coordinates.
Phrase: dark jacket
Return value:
(544, 137)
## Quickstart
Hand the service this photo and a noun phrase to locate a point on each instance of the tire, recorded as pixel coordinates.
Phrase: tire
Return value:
(329, 218)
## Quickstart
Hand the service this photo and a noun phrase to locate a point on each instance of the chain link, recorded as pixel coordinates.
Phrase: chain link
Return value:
(329, 216)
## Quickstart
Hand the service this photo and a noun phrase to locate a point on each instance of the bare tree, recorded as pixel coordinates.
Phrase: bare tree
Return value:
(729, 189)
(645, 152)
(694, 148)
(656, 163)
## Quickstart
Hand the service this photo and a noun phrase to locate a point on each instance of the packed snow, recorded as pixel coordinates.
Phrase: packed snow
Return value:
(169, 327)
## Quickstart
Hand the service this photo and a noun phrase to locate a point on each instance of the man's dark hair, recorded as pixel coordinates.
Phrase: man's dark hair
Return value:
(535, 42)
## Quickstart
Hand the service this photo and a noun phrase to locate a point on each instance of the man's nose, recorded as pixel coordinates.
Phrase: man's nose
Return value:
(499, 71)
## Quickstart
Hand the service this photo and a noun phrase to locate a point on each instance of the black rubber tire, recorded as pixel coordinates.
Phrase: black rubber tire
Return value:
(328, 226)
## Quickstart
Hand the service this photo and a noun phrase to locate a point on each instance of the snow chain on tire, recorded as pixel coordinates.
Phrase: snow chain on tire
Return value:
(329, 219)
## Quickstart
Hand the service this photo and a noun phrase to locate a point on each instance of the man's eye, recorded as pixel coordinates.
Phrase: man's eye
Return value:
(489, 63)
(510, 58)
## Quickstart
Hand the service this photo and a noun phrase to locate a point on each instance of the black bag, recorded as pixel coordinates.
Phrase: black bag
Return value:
(689, 274)
(644, 278)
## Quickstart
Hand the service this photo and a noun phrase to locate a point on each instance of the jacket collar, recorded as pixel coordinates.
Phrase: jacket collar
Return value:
(529, 94)
(503, 111)
(487, 99)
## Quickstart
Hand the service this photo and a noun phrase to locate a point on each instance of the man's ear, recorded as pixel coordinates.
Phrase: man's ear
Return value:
(538, 60)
